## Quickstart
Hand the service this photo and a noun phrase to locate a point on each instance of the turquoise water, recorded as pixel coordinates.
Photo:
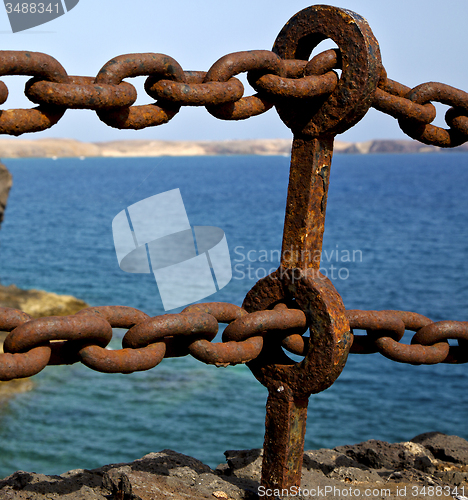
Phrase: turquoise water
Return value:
(396, 236)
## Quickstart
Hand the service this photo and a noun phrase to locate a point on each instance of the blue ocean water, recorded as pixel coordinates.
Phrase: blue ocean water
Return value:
(396, 238)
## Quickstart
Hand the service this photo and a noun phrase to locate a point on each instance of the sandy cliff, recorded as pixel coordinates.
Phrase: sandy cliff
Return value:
(61, 148)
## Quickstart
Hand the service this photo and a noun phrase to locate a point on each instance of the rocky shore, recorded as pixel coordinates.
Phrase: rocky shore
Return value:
(36, 303)
(430, 466)
(6, 182)
(65, 148)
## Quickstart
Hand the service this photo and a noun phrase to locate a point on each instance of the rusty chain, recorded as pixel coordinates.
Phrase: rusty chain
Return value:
(32, 344)
(273, 78)
(316, 103)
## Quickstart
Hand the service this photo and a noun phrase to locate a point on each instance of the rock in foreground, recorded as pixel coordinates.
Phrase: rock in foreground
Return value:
(432, 465)
(38, 303)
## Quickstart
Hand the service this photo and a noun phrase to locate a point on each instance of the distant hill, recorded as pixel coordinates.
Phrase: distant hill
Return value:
(61, 148)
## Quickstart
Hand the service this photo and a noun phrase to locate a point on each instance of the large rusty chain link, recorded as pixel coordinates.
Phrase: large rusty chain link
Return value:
(274, 79)
(32, 344)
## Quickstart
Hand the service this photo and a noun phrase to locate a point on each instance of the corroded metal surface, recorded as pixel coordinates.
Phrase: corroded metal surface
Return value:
(68, 337)
(337, 105)
(81, 93)
(360, 66)
(316, 102)
(290, 82)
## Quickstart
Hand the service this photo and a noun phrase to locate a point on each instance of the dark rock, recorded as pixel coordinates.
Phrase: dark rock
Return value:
(424, 464)
(328, 460)
(79, 484)
(244, 467)
(411, 475)
(444, 447)
(349, 474)
(381, 455)
(244, 463)
(169, 474)
(5, 185)
(454, 478)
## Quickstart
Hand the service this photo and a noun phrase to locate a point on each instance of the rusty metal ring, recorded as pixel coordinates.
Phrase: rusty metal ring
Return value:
(390, 98)
(239, 62)
(324, 62)
(138, 117)
(296, 344)
(360, 74)
(293, 68)
(391, 86)
(190, 77)
(457, 355)
(224, 313)
(226, 353)
(413, 321)
(305, 80)
(330, 335)
(197, 324)
(117, 316)
(41, 331)
(26, 63)
(80, 93)
(131, 65)
(25, 364)
(382, 324)
(303, 88)
(20, 365)
(11, 318)
(377, 324)
(243, 109)
(456, 118)
(442, 331)
(122, 360)
(414, 354)
(431, 134)
(194, 92)
(319, 65)
(20, 121)
(119, 360)
(262, 321)
(3, 92)
(401, 108)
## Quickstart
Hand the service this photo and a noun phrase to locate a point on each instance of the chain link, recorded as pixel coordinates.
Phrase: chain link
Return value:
(32, 344)
(274, 79)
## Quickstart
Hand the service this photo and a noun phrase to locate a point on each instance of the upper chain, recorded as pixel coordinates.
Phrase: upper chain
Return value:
(273, 78)
(32, 344)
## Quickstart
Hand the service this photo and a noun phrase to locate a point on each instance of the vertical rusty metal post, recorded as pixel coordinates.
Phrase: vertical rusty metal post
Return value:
(306, 204)
(285, 426)
(298, 281)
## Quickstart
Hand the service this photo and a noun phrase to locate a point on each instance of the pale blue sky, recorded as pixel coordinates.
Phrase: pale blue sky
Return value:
(420, 41)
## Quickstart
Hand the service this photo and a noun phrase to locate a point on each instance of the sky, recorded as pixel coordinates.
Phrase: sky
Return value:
(420, 41)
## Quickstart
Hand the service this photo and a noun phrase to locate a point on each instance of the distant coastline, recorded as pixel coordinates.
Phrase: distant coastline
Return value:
(70, 148)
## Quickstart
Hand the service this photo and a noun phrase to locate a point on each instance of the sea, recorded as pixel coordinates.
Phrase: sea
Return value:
(396, 237)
